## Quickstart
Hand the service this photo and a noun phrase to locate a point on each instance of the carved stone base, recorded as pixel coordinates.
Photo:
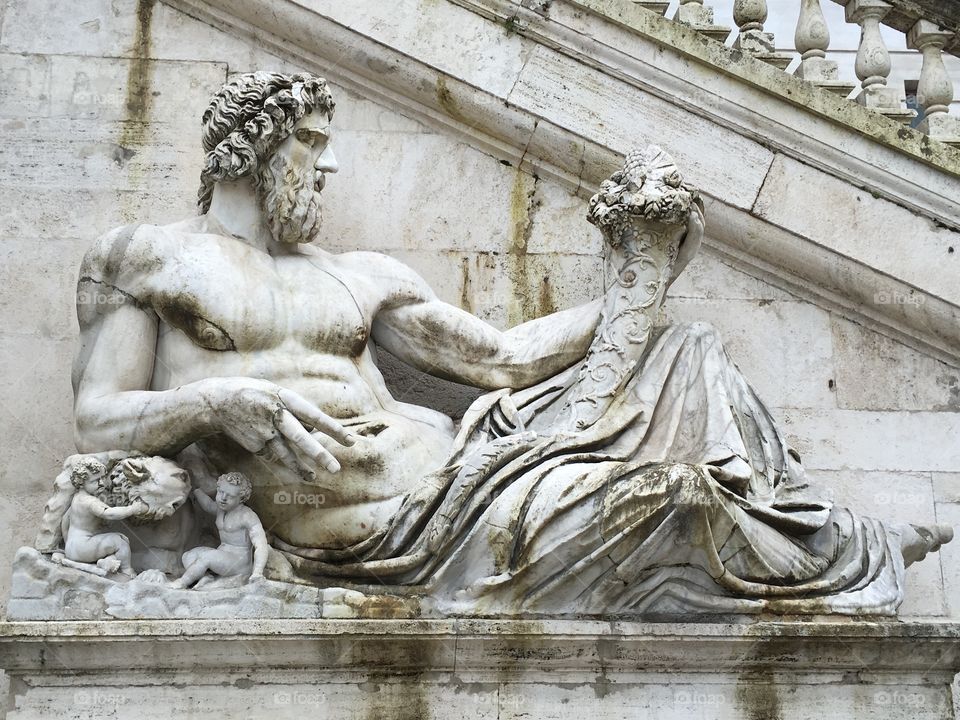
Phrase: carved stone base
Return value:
(887, 101)
(942, 127)
(825, 74)
(43, 590)
(478, 669)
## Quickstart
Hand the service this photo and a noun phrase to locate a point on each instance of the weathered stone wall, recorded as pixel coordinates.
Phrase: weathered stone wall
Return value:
(100, 108)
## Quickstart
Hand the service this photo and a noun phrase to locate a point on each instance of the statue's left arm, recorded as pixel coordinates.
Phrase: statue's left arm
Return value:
(448, 342)
(261, 548)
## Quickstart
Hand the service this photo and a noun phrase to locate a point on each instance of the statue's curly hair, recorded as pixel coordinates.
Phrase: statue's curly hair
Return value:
(249, 117)
(239, 480)
(83, 469)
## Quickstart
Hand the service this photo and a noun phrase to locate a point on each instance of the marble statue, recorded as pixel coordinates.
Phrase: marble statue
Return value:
(616, 467)
(88, 495)
(243, 543)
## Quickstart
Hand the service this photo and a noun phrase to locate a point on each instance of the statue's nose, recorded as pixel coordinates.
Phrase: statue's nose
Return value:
(327, 162)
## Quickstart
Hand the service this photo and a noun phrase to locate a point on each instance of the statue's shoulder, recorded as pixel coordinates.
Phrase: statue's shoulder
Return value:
(396, 281)
(133, 251)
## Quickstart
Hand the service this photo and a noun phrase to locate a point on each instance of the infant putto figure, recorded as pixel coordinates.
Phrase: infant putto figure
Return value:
(243, 546)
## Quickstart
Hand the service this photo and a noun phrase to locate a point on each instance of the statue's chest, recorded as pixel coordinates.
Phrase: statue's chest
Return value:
(242, 300)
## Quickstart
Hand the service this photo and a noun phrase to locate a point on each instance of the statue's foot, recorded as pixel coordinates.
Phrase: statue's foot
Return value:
(918, 540)
(109, 564)
(152, 577)
(177, 584)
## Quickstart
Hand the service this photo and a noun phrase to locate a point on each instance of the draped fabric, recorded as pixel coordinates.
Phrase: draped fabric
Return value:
(681, 497)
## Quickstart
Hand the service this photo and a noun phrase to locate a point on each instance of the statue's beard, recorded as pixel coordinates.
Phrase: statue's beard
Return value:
(290, 199)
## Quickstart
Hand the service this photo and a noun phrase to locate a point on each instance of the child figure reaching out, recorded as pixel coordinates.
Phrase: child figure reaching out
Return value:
(243, 542)
(85, 541)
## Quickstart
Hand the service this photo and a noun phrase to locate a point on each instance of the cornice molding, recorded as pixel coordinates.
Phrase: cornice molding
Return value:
(122, 647)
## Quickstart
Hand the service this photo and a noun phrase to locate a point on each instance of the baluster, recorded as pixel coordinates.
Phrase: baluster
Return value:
(935, 90)
(873, 61)
(750, 15)
(700, 17)
(812, 39)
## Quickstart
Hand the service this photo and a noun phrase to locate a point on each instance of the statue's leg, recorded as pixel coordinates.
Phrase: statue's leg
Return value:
(98, 547)
(918, 540)
(196, 563)
(224, 563)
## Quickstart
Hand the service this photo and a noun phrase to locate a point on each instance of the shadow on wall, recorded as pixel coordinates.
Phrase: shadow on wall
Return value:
(410, 385)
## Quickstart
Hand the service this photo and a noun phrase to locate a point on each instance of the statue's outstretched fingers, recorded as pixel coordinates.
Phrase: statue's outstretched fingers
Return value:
(277, 450)
(312, 416)
(291, 429)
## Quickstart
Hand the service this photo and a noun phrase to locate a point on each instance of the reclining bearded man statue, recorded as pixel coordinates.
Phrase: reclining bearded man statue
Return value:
(615, 468)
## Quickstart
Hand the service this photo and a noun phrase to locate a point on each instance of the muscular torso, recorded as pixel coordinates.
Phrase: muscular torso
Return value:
(233, 528)
(302, 321)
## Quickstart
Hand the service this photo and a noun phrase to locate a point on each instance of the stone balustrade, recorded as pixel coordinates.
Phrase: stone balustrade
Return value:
(931, 34)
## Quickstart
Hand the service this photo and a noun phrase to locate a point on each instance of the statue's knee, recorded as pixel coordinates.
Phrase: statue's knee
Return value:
(673, 480)
(689, 487)
(118, 542)
(192, 556)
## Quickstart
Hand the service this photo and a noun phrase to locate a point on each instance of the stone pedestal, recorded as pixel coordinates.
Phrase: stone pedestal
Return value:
(449, 669)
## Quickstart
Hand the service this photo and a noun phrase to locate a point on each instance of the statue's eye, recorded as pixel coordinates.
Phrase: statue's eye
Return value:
(305, 136)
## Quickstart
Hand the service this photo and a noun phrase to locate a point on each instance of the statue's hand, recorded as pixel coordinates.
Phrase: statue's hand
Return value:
(274, 423)
(139, 507)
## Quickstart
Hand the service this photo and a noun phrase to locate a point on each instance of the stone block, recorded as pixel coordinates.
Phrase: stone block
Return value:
(39, 279)
(82, 214)
(453, 39)
(749, 695)
(782, 347)
(709, 277)
(874, 372)
(946, 487)
(24, 86)
(949, 555)
(506, 289)
(136, 91)
(93, 158)
(860, 440)
(421, 670)
(942, 127)
(808, 202)
(559, 224)
(564, 92)
(106, 28)
(400, 179)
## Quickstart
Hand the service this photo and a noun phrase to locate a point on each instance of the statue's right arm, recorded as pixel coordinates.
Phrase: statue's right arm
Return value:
(113, 406)
(205, 502)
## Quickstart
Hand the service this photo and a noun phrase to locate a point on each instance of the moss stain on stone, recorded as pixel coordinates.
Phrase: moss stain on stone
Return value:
(465, 302)
(757, 696)
(139, 100)
(524, 303)
(446, 100)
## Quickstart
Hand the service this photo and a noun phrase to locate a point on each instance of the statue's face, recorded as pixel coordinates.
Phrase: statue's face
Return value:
(308, 148)
(291, 181)
(93, 483)
(229, 496)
